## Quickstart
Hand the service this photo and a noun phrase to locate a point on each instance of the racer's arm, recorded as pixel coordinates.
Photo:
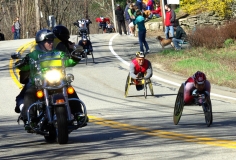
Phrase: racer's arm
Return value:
(90, 47)
(131, 71)
(149, 71)
(70, 62)
(23, 64)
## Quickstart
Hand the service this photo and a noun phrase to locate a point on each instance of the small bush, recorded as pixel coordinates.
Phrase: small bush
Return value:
(212, 37)
(228, 42)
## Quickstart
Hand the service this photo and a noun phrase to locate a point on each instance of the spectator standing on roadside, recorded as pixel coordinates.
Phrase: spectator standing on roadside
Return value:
(17, 26)
(127, 16)
(139, 20)
(169, 21)
(120, 19)
(132, 17)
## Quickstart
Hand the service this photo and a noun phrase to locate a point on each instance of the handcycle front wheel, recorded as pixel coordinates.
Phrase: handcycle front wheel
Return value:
(145, 89)
(127, 85)
(179, 105)
(207, 109)
(151, 87)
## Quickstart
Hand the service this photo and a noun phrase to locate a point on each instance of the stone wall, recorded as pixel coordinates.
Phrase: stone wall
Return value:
(190, 22)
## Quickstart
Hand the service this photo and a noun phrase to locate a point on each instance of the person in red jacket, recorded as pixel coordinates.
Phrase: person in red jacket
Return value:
(157, 11)
(169, 21)
(197, 83)
(140, 68)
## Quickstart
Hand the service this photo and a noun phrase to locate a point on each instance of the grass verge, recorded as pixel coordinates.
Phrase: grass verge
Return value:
(219, 64)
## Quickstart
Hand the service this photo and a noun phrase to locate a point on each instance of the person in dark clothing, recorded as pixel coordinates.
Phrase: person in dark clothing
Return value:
(127, 16)
(179, 37)
(120, 19)
(139, 3)
(86, 44)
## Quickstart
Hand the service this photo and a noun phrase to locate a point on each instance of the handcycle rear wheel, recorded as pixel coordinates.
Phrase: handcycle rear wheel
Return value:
(127, 85)
(207, 109)
(179, 105)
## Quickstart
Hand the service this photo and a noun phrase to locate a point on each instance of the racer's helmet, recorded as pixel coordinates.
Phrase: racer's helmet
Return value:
(199, 77)
(140, 55)
(84, 38)
(43, 35)
(61, 32)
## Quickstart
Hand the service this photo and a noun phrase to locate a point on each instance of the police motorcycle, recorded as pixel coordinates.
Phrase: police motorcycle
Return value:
(54, 118)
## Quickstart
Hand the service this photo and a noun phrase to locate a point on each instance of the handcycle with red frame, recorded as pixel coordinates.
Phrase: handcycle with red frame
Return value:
(102, 24)
(199, 99)
(143, 82)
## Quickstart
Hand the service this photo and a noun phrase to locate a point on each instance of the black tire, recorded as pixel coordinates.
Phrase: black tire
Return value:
(62, 125)
(127, 85)
(207, 109)
(52, 135)
(145, 89)
(179, 105)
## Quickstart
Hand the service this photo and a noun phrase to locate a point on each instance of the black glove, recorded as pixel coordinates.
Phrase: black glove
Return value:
(22, 62)
(76, 56)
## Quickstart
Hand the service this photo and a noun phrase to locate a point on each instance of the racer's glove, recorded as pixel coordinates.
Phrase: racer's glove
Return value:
(15, 55)
(22, 62)
(78, 50)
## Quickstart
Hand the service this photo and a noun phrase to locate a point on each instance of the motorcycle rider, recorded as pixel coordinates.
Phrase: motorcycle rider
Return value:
(140, 68)
(86, 44)
(44, 39)
(61, 42)
(198, 83)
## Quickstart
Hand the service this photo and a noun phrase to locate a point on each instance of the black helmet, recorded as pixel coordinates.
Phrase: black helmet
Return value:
(44, 34)
(61, 32)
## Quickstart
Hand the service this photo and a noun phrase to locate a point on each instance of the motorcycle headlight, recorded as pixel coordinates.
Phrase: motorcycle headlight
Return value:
(53, 76)
(70, 78)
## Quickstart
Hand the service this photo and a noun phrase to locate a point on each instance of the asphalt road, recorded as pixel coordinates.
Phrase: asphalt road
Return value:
(121, 128)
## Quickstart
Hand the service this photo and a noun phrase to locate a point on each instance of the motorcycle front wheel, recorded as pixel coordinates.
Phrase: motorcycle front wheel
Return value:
(61, 124)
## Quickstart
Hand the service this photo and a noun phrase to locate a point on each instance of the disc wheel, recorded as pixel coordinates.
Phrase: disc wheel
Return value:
(207, 109)
(179, 105)
(61, 124)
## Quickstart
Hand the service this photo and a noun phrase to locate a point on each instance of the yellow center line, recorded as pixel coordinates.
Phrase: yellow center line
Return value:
(127, 127)
(164, 134)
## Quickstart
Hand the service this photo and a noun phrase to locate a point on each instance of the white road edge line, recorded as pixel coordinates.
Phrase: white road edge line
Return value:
(156, 77)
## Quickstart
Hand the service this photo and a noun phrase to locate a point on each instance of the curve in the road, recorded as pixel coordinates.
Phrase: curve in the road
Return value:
(156, 77)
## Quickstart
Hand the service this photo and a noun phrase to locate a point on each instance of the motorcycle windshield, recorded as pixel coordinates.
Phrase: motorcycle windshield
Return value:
(50, 59)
